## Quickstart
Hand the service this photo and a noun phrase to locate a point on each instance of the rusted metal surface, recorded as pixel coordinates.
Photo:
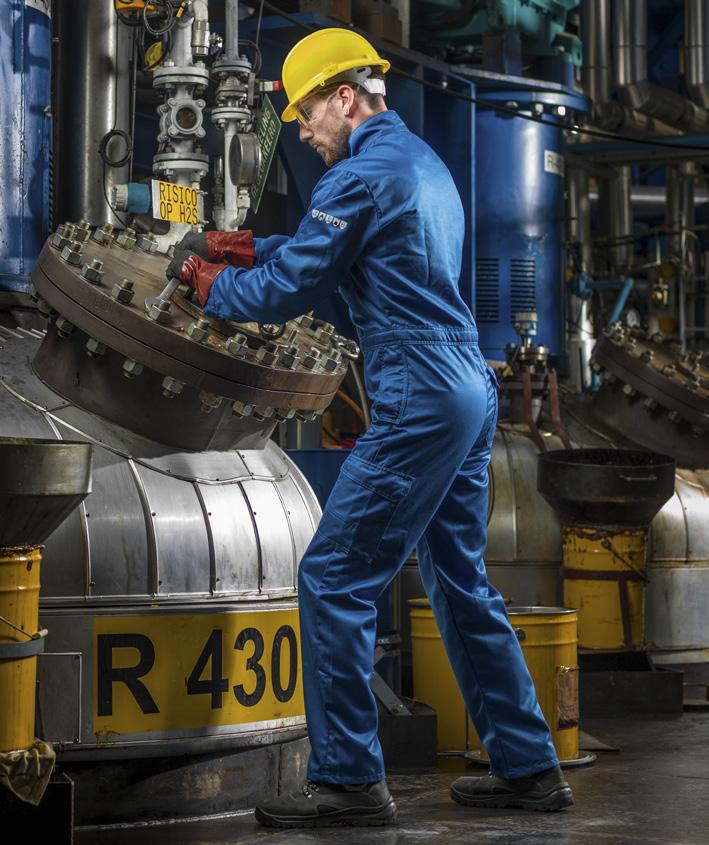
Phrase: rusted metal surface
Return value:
(168, 372)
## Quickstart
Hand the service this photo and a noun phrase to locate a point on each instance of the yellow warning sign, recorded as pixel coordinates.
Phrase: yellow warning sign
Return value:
(177, 203)
(175, 672)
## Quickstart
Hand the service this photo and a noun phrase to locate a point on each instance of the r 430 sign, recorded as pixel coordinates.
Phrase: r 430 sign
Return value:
(178, 673)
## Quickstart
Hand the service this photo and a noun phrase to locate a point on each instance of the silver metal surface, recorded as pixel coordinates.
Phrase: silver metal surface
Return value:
(154, 527)
(523, 554)
(631, 77)
(161, 531)
(696, 45)
(677, 595)
(92, 91)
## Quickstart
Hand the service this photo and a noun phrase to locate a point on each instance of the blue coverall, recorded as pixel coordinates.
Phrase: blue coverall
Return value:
(386, 225)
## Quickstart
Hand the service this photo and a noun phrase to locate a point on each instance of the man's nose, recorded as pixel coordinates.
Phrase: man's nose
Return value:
(304, 133)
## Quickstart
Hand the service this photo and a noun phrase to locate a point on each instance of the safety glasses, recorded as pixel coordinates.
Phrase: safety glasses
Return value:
(310, 109)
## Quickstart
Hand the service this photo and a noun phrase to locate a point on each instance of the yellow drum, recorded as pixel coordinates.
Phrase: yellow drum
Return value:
(604, 577)
(19, 605)
(548, 636)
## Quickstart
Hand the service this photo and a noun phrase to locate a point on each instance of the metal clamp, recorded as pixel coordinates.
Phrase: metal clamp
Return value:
(17, 650)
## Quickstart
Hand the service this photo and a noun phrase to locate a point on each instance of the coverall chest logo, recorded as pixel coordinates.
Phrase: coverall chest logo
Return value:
(328, 218)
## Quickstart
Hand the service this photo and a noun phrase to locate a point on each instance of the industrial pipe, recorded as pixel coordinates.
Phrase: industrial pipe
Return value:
(651, 199)
(630, 73)
(597, 74)
(696, 42)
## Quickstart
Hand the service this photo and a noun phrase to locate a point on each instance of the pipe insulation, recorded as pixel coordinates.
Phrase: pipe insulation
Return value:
(631, 78)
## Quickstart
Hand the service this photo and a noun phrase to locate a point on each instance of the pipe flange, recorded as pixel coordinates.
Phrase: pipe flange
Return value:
(225, 65)
(167, 77)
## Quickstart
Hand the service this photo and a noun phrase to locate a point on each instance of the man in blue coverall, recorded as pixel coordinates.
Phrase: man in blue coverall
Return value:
(385, 227)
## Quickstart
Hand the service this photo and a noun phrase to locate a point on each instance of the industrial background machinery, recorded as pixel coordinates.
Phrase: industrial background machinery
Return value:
(577, 132)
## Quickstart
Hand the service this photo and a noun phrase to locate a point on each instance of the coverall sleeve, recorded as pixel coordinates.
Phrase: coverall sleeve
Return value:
(308, 267)
(266, 247)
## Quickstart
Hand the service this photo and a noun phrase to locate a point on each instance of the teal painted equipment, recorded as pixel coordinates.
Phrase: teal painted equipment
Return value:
(459, 29)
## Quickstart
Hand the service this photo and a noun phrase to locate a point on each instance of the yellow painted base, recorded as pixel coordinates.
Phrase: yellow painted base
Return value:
(616, 555)
(19, 602)
(549, 645)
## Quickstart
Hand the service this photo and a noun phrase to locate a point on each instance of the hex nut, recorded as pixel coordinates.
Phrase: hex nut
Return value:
(650, 404)
(199, 331)
(147, 242)
(647, 356)
(103, 235)
(267, 354)
(64, 327)
(132, 368)
(669, 370)
(673, 416)
(82, 231)
(311, 359)
(171, 387)
(657, 338)
(95, 348)
(306, 416)
(332, 362)
(160, 312)
(324, 332)
(629, 390)
(45, 309)
(283, 414)
(288, 357)
(263, 412)
(209, 401)
(126, 238)
(93, 272)
(306, 321)
(72, 253)
(242, 409)
(236, 345)
(123, 291)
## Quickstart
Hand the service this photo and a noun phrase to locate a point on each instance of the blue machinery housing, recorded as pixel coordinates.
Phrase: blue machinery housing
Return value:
(25, 138)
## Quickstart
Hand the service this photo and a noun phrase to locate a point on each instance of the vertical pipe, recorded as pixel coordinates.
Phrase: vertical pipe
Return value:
(231, 29)
(696, 39)
(621, 220)
(92, 94)
(580, 339)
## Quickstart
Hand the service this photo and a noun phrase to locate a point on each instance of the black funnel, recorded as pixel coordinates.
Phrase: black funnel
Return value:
(605, 486)
(41, 482)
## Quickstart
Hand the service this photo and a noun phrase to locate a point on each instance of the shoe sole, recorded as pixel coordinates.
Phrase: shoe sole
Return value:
(351, 817)
(552, 802)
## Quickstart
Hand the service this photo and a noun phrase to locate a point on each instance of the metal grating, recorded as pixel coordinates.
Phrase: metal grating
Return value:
(523, 285)
(487, 290)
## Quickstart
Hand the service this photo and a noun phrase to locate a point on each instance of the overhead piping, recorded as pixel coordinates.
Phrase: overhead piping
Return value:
(696, 39)
(597, 77)
(630, 73)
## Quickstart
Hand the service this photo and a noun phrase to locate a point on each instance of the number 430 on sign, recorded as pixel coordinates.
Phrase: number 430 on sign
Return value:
(175, 672)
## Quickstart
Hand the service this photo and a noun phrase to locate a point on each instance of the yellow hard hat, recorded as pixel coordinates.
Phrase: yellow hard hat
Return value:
(321, 56)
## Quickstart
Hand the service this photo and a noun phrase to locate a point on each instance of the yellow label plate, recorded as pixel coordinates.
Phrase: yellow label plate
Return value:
(177, 672)
(177, 203)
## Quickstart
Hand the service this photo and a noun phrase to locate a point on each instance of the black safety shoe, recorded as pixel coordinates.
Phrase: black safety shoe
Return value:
(545, 790)
(330, 805)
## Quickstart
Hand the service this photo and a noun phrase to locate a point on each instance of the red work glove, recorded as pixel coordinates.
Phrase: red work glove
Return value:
(188, 267)
(235, 248)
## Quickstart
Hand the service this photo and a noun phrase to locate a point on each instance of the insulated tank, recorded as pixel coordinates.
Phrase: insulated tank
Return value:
(25, 138)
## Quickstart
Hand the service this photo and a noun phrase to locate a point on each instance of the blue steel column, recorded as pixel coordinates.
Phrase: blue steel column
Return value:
(25, 138)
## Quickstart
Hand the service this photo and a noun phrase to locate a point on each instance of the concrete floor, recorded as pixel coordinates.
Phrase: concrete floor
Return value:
(655, 791)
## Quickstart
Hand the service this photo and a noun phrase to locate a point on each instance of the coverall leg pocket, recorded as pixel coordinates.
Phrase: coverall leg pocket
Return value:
(361, 506)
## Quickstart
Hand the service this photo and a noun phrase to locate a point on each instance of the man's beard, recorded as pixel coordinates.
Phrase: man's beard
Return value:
(338, 149)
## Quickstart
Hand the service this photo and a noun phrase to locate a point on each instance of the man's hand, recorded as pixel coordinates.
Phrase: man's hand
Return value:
(188, 267)
(235, 248)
